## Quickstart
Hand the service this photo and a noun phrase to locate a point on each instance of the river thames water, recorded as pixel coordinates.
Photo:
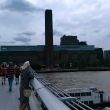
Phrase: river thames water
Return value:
(69, 80)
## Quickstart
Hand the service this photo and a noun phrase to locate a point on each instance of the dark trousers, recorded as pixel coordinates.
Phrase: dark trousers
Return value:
(3, 80)
(10, 82)
(24, 101)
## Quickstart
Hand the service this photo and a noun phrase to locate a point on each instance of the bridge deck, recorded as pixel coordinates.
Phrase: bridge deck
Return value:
(9, 100)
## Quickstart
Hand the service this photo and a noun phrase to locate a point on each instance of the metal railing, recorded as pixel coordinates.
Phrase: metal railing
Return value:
(51, 101)
(54, 98)
(72, 102)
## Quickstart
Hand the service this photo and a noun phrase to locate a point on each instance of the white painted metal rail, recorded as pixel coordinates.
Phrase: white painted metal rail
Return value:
(50, 100)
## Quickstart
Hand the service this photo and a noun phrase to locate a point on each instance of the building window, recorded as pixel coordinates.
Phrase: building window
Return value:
(83, 94)
(86, 102)
(88, 93)
(77, 94)
(90, 102)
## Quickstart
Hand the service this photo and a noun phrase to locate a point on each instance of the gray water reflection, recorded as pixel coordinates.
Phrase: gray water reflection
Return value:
(67, 80)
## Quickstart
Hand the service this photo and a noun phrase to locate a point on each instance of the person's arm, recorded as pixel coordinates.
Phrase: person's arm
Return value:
(31, 75)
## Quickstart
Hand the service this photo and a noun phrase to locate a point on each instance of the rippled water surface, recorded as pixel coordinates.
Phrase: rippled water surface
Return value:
(67, 80)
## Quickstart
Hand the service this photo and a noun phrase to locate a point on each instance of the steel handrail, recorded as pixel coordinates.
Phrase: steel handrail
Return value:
(51, 101)
(59, 92)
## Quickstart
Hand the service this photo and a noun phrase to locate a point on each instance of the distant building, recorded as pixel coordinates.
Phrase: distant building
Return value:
(82, 43)
(61, 54)
(69, 40)
(107, 54)
(70, 52)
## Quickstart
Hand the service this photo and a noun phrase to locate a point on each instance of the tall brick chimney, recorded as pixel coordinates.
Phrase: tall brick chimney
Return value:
(48, 39)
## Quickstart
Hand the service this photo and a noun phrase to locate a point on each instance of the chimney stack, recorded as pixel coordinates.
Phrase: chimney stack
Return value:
(48, 39)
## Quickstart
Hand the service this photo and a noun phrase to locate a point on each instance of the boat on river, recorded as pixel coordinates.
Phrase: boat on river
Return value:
(90, 96)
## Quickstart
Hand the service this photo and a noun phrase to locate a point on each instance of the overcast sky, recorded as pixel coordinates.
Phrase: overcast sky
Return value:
(22, 21)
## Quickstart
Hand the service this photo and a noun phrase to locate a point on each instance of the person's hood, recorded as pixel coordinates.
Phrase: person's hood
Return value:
(25, 65)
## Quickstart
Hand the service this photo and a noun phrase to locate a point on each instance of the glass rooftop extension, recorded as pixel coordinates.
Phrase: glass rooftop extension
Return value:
(74, 47)
(41, 48)
(22, 48)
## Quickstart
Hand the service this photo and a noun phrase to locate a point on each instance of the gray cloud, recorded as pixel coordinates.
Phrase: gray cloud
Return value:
(97, 31)
(108, 36)
(22, 39)
(83, 34)
(57, 33)
(20, 6)
(89, 20)
(27, 34)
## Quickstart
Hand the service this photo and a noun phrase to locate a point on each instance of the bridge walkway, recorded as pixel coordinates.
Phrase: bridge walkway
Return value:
(9, 100)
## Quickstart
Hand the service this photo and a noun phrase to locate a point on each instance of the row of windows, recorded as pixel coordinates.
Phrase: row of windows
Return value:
(80, 94)
(88, 102)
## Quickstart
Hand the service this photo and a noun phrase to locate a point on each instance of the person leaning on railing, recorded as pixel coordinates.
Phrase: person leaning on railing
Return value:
(26, 76)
